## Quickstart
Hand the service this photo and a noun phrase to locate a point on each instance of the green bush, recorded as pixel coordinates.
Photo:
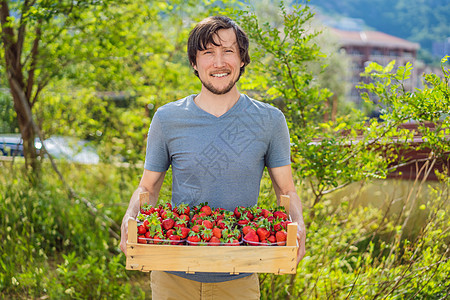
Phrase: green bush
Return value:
(359, 252)
(53, 245)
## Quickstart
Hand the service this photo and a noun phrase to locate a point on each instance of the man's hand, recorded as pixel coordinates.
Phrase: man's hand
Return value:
(283, 184)
(301, 238)
(124, 234)
(151, 183)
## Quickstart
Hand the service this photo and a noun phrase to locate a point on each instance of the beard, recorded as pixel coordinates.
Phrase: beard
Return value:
(218, 91)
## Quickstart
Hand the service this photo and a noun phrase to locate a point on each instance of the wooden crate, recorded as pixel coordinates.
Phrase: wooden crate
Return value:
(227, 259)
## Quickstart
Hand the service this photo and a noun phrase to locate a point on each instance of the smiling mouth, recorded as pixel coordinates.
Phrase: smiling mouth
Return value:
(219, 75)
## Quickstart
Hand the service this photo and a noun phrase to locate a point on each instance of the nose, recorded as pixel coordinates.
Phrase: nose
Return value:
(219, 60)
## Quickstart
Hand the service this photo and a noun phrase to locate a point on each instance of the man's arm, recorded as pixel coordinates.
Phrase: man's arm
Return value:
(283, 184)
(151, 182)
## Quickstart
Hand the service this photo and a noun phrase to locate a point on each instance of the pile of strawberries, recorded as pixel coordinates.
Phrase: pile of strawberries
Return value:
(204, 225)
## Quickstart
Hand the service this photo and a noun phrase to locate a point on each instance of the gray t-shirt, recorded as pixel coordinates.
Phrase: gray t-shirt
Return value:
(219, 160)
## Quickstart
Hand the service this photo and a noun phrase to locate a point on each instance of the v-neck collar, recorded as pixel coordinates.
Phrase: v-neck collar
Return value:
(204, 112)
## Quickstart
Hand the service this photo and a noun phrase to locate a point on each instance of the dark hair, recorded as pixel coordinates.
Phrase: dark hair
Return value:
(203, 34)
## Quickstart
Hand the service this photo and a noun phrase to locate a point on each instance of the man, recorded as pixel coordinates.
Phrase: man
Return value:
(218, 143)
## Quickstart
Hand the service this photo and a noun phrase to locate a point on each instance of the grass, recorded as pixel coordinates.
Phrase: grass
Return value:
(55, 248)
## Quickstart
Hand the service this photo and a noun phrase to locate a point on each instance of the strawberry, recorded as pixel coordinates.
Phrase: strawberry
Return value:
(157, 239)
(237, 233)
(207, 224)
(281, 237)
(219, 210)
(263, 243)
(142, 240)
(194, 218)
(193, 239)
(163, 213)
(196, 228)
(214, 241)
(217, 232)
(184, 232)
(147, 209)
(226, 233)
(238, 211)
(146, 223)
(221, 224)
(206, 234)
(262, 233)
(142, 229)
(281, 215)
(246, 228)
(182, 209)
(244, 221)
(196, 208)
(184, 217)
(278, 226)
(234, 242)
(272, 239)
(170, 232)
(167, 206)
(248, 213)
(206, 209)
(262, 212)
(175, 239)
(180, 223)
(218, 217)
(168, 223)
(251, 238)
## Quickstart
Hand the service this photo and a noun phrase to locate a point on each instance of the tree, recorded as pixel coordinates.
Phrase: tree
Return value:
(31, 31)
(329, 154)
(69, 52)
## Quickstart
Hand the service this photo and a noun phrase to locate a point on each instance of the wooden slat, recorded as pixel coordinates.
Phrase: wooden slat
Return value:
(144, 198)
(229, 259)
(132, 231)
(292, 234)
(285, 201)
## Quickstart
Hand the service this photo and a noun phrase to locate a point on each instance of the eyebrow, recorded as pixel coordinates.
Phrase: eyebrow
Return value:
(210, 47)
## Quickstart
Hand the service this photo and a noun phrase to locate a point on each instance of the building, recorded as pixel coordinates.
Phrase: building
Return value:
(364, 47)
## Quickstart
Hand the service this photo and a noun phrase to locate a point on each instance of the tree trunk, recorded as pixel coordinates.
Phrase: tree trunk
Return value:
(12, 47)
(26, 130)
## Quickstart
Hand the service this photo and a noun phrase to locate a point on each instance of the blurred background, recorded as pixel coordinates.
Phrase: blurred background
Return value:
(364, 86)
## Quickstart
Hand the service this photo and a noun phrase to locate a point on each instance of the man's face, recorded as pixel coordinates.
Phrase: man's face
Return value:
(218, 67)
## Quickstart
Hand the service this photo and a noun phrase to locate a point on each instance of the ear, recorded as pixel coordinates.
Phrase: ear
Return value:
(195, 67)
(242, 64)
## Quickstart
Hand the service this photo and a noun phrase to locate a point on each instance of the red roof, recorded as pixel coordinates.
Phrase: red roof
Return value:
(373, 38)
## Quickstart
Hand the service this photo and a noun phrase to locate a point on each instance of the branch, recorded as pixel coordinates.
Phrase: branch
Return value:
(294, 86)
(34, 54)
(22, 28)
(55, 36)
(336, 188)
(45, 80)
(7, 36)
(40, 87)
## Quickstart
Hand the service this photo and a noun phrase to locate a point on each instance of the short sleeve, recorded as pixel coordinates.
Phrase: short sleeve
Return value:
(279, 150)
(157, 155)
